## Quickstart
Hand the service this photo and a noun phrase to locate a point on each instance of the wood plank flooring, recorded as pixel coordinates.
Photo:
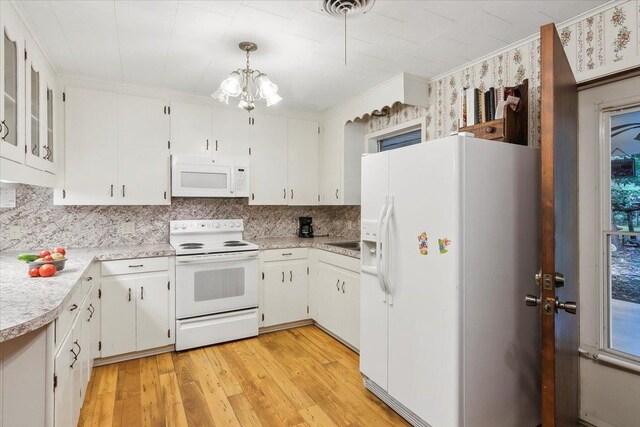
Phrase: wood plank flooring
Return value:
(297, 377)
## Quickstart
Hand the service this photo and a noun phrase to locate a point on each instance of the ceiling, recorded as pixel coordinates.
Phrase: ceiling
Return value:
(191, 46)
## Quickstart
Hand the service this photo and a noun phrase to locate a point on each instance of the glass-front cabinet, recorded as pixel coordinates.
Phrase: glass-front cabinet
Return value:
(40, 104)
(12, 89)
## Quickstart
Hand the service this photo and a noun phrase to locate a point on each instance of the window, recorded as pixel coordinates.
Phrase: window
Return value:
(399, 141)
(621, 232)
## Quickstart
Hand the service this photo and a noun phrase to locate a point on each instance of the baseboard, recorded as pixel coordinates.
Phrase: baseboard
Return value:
(134, 355)
(283, 326)
(337, 338)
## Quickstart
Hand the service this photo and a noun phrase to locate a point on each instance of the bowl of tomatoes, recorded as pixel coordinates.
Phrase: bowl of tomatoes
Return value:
(46, 263)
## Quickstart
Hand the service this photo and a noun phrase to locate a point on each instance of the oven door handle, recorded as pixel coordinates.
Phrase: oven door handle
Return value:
(200, 260)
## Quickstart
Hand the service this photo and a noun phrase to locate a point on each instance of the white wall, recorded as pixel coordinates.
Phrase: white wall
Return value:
(609, 396)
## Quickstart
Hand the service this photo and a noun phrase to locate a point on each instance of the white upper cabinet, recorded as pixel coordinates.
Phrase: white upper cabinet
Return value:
(303, 162)
(91, 155)
(116, 150)
(230, 133)
(143, 152)
(190, 129)
(269, 184)
(12, 86)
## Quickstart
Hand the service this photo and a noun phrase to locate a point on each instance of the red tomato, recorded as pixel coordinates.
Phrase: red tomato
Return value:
(48, 258)
(47, 270)
(33, 272)
(60, 250)
(44, 253)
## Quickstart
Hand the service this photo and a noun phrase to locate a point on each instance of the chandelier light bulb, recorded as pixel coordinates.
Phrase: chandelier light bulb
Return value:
(248, 85)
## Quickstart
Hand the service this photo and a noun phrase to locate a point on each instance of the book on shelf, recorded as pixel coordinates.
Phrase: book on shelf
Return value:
(462, 107)
(477, 111)
(470, 106)
(483, 106)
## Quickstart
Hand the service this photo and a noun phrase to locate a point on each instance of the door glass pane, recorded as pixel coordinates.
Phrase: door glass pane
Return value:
(35, 112)
(623, 238)
(49, 149)
(10, 91)
(217, 181)
(218, 284)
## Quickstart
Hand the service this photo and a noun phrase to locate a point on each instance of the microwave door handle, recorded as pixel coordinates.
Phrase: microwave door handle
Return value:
(232, 180)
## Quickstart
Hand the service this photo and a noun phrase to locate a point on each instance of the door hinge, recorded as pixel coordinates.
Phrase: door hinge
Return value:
(169, 286)
(25, 54)
(307, 309)
(25, 149)
(318, 197)
(249, 121)
(99, 345)
(249, 150)
(263, 317)
(307, 271)
(55, 381)
(318, 130)
(168, 333)
(262, 275)
(99, 293)
(64, 97)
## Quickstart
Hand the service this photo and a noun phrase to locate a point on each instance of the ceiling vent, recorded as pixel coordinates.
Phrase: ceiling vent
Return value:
(347, 8)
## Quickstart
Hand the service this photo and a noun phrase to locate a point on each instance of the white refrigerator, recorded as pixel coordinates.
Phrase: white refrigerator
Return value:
(449, 250)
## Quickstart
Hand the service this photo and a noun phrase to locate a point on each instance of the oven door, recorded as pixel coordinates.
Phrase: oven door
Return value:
(201, 180)
(209, 284)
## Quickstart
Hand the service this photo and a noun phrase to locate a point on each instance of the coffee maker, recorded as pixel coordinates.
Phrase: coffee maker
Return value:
(305, 229)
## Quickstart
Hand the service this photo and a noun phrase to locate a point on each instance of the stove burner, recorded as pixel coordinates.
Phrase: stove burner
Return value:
(235, 243)
(191, 245)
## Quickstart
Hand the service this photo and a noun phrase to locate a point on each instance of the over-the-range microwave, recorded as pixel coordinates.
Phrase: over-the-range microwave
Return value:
(203, 176)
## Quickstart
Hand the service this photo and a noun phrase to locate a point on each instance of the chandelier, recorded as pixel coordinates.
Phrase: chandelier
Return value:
(248, 85)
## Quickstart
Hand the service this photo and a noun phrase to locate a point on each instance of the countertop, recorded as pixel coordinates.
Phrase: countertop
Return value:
(27, 304)
(315, 242)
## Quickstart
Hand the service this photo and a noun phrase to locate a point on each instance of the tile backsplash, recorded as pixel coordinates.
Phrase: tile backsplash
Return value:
(41, 224)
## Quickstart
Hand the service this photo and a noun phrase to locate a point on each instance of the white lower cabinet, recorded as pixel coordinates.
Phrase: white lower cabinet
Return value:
(335, 290)
(136, 308)
(285, 286)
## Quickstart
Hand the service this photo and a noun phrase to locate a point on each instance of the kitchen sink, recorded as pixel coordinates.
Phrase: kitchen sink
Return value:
(346, 245)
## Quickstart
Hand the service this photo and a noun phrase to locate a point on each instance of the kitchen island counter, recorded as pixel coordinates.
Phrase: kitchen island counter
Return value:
(27, 303)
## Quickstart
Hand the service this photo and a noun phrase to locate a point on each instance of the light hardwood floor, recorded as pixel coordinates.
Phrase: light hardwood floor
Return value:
(297, 377)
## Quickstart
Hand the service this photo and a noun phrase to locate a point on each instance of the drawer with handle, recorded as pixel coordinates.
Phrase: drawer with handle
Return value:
(69, 312)
(284, 254)
(132, 266)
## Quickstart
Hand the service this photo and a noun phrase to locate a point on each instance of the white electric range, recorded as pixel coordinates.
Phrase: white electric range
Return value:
(216, 282)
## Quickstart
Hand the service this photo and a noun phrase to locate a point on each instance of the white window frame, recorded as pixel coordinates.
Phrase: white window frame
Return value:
(371, 140)
(605, 229)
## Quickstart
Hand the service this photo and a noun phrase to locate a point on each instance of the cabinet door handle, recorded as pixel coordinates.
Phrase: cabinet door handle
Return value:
(111, 190)
(89, 278)
(284, 193)
(141, 292)
(74, 307)
(287, 254)
(292, 194)
(136, 266)
(338, 285)
(283, 277)
(216, 145)
(6, 128)
(129, 294)
(90, 310)
(336, 193)
(343, 287)
(207, 145)
(290, 276)
(122, 190)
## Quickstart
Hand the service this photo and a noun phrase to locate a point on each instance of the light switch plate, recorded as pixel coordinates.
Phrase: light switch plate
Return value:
(127, 228)
(15, 232)
(7, 197)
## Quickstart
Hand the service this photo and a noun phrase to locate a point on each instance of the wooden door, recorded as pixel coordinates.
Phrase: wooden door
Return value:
(152, 325)
(143, 153)
(118, 326)
(559, 233)
(303, 162)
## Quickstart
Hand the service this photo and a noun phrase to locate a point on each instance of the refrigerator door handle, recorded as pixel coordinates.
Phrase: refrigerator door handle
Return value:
(379, 245)
(386, 264)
